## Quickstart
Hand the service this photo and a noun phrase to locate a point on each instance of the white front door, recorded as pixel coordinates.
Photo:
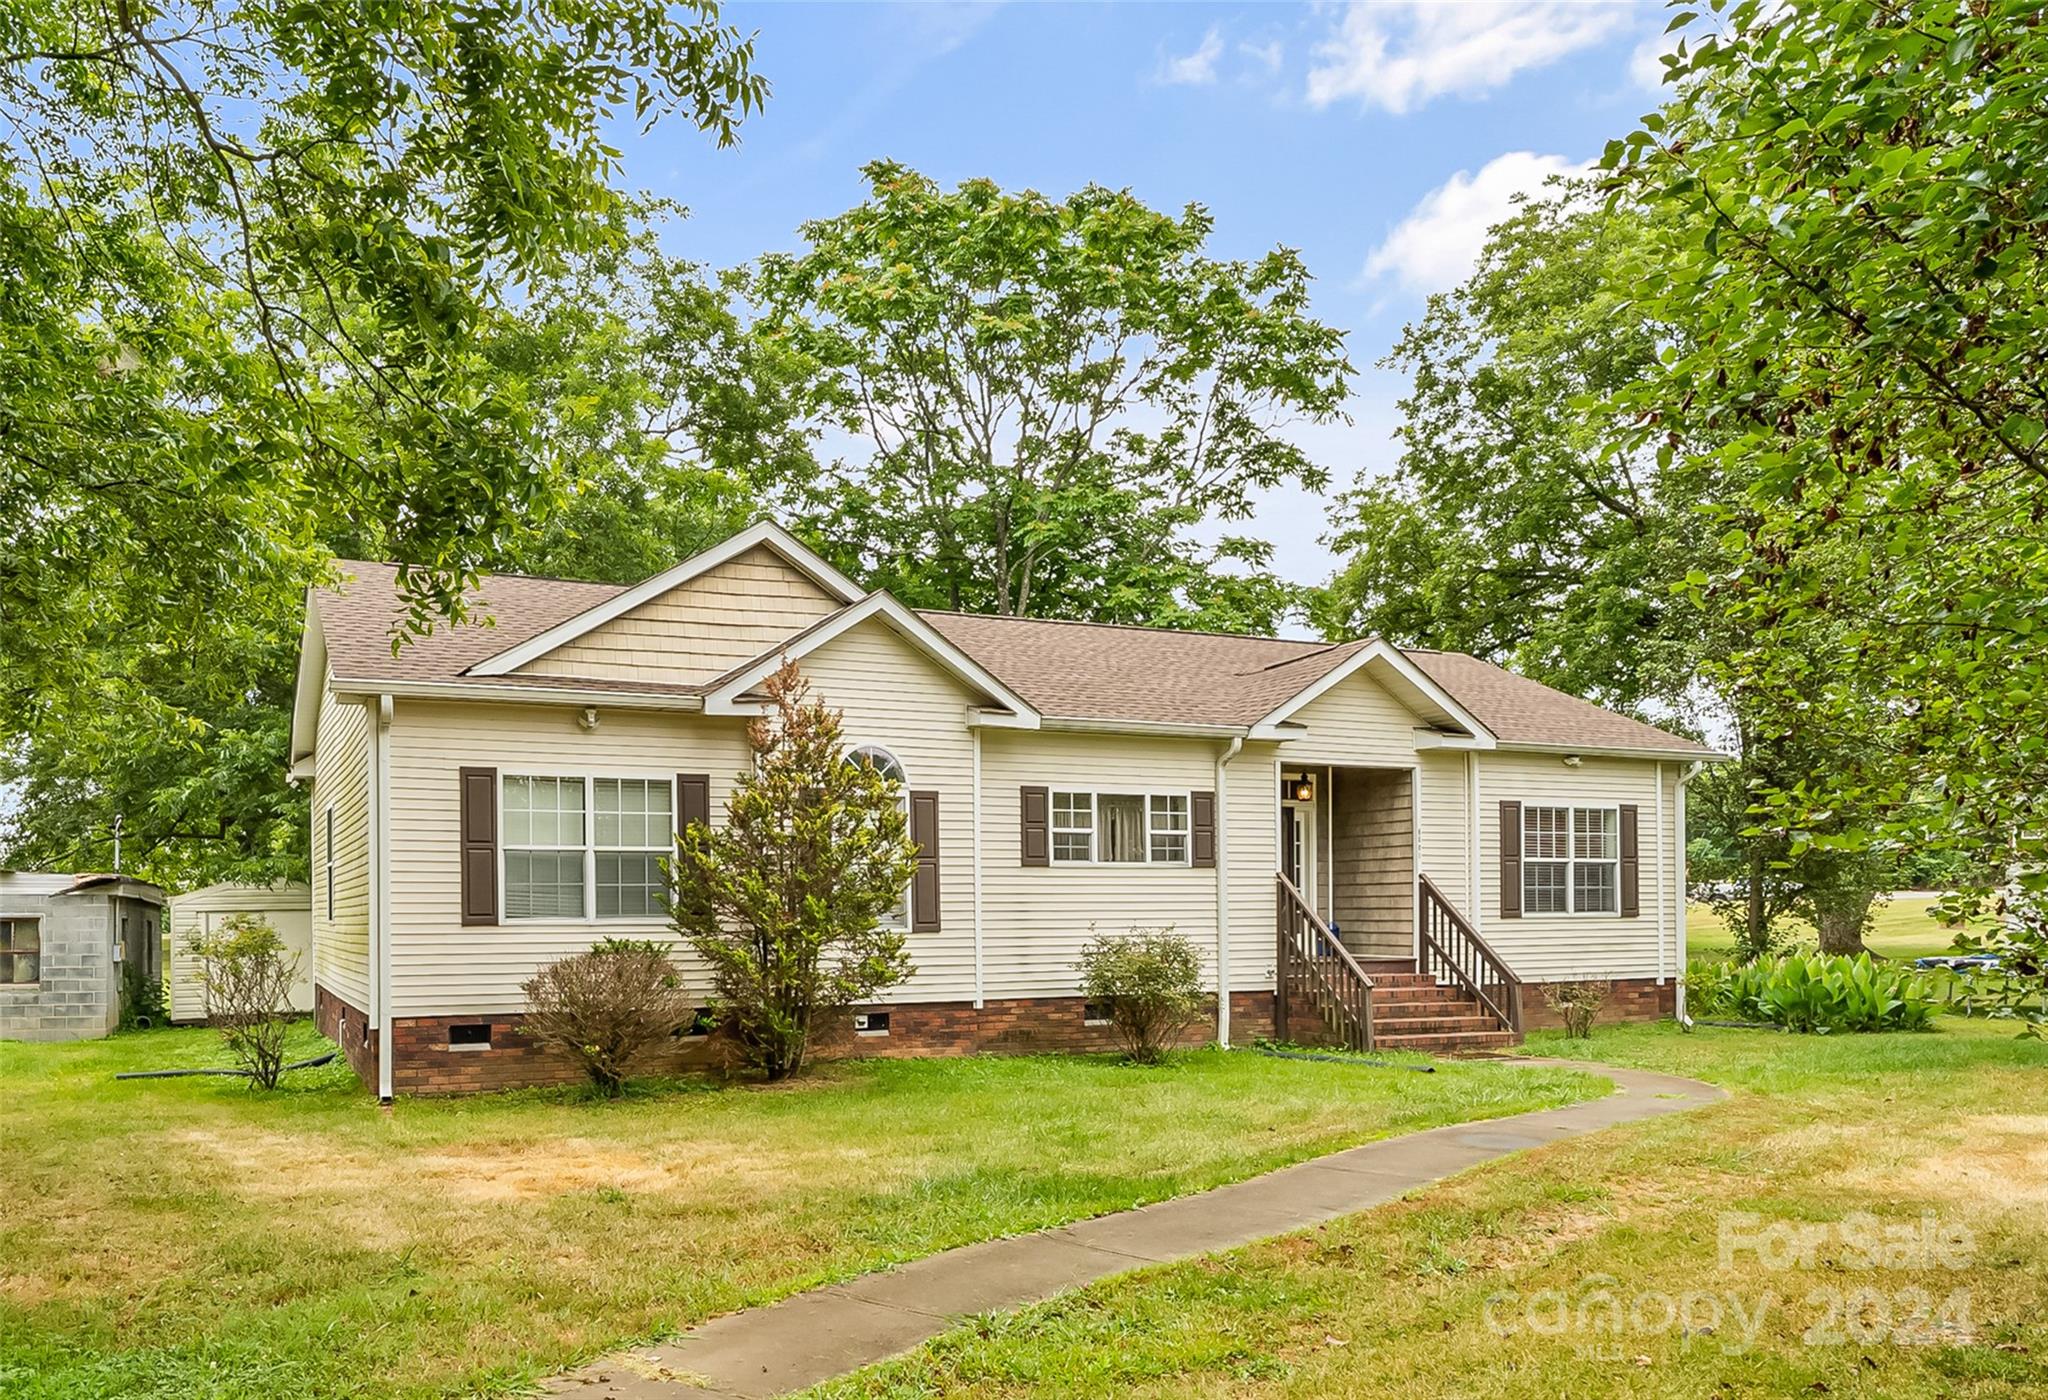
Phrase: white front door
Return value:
(1298, 850)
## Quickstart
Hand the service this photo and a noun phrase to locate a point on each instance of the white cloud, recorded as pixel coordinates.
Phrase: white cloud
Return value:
(1268, 56)
(1434, 248)
(1646, 64)
(1195, 69)
(1400, 56)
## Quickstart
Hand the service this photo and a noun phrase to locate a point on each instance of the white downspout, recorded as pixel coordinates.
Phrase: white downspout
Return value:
(380, 887)
(1223, 891)
(979, 993)
(1687, 776)
(1472, 845)
(1663, 891)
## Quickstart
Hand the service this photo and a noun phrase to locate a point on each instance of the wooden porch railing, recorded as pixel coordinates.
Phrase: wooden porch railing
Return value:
(1452, 951)
(1317, 972)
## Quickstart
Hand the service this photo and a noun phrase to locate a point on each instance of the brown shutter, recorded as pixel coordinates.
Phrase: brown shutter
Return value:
(1511, 860)
(1631, 872)
(479, 845)
(1035, 817)
(693, 800)
(924, 889)
(1202, 819)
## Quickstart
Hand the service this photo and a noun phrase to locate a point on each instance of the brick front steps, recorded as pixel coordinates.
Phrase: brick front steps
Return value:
(1411, 1011)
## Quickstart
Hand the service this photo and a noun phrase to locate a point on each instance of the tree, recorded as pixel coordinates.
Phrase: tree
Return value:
(246, 973)
(1048, 396)
(610, 1010)
(1852, 202)
(1509, 530)
(247, 257)
(786, 902)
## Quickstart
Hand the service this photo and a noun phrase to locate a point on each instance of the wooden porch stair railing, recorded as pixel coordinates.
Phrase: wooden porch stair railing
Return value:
(1459, 997)
(1316, 973)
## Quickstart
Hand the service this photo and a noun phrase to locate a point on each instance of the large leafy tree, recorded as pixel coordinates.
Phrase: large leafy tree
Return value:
(1855, 198)
(1045, 397)
(251, 257)
(1508, 529)
(1513, 530)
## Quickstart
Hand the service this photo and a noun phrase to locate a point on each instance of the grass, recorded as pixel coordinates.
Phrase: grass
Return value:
(1901, 928)
(190, 1238)
(1495, 1283)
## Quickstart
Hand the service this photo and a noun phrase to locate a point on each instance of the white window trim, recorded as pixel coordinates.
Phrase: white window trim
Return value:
(1095, 796)
(1570, 862)
(327, 864)
(588, 777)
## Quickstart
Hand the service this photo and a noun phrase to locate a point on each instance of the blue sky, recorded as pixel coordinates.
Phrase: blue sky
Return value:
(1378, 139)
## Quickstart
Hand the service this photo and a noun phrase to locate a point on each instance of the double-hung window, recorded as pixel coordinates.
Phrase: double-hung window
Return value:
(633, 832)
(1571, 860)
(1120, 828)
(886, 764)
(586, 847)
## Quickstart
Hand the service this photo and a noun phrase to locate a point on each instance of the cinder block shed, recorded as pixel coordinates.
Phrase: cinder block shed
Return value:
(65, 941)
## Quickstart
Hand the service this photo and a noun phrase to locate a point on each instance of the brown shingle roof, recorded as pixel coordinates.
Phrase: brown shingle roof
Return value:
(1083, 670)
(359, 616)
(1521, 711)
(1066, 670)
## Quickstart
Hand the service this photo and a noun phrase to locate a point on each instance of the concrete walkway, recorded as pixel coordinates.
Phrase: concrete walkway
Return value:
(827, 1332)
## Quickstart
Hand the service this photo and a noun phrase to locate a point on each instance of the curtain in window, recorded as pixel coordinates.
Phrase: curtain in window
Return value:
(1122, 828)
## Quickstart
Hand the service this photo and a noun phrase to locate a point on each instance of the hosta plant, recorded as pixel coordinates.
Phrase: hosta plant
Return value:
(1814, 993)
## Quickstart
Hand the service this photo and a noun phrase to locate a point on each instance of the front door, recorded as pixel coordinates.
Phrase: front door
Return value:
(1298, 848)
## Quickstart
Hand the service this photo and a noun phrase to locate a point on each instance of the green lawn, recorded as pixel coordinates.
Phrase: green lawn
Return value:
(189, 1238)
(1494, 1283)
(1901, 928)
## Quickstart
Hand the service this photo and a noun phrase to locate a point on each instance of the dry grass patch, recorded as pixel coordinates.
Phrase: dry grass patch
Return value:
(181, 1238)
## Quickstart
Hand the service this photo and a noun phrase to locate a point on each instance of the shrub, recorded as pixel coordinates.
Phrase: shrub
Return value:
(788, 901)
(1814, 993)
(1577, 1004)
(609, 1009)
(246, 973)
(1150, 980)
(143, 1004)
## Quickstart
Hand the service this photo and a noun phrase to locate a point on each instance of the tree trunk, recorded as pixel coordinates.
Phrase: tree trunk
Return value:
(1841, 923)
(1753, 939)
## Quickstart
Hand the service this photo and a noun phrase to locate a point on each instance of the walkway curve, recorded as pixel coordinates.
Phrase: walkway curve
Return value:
(812, 1337)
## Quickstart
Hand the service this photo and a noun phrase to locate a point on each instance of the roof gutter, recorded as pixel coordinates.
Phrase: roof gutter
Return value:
(1167, 729)
(1609, 751)
(355, 688)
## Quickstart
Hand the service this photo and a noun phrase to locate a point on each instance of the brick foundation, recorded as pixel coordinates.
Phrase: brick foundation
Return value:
(424, 1061)
(349, 1028)
(1632, 999)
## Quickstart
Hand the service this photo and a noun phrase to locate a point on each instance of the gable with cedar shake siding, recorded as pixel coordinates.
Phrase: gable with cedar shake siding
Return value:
(1063, 780)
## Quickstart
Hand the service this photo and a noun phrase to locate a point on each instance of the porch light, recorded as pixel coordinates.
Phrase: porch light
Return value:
(1298, 789)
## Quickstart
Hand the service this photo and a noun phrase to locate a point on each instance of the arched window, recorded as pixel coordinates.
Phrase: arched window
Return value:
(879, 759)
(882, 761)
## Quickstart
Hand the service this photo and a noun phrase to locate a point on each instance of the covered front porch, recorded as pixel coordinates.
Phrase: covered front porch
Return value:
(1348, 844)
(1370, 952)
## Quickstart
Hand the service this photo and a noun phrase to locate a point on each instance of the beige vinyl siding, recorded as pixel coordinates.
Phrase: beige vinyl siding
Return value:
(1355, 722)
(891, 695)
(1036, 919)
(341, 776)
(1373, 866)
(438, 966)
(1446, 836)
(1549, 947)
(288, 907)
(698, 630)
(1253, 797)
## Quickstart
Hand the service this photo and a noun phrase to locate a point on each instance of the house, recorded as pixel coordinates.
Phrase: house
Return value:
(287, 906)
(67, 942)
(1372, 845)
